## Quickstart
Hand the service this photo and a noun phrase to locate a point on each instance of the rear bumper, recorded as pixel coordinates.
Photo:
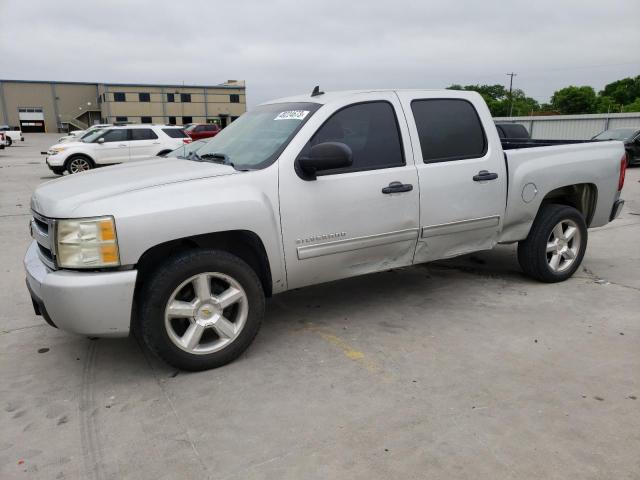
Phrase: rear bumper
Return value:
(87, 303)
(617, 208)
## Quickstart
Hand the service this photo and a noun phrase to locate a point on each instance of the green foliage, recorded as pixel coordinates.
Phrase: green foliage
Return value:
(619, 96)
(633, 106)
(573, 100)
(497, 98)
(623, 91)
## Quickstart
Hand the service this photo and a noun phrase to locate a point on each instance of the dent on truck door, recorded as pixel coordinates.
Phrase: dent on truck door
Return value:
(462, 178)
(355, 220)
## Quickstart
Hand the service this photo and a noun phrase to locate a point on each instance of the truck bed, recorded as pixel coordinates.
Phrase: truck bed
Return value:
(534, 172)
(513, 143)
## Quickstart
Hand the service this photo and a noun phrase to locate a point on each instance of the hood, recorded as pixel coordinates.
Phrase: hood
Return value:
(59, 198)
(67, 142)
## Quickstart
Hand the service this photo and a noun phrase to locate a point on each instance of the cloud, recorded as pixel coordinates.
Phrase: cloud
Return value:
(285, 47)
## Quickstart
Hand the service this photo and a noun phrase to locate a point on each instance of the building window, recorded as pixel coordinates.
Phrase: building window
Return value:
(234, 98)
(186, 120)
(172, 120)
(122, 119)
(144, 97)
(119, 97)
(146, 120)
(171, 97)
(185, 97)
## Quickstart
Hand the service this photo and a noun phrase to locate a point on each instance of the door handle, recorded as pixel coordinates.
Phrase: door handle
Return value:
(397, 187)
(484, 175)
(122, 145)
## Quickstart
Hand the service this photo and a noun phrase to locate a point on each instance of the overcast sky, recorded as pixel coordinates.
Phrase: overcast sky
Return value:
(283, 47)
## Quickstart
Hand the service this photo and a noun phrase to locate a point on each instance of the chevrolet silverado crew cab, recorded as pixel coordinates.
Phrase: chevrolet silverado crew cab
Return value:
(299, 191)
(113, 145)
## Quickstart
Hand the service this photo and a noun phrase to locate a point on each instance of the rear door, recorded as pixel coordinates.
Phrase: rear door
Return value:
(348, 221)
(144, 144)
(115, 148)
(461, 171)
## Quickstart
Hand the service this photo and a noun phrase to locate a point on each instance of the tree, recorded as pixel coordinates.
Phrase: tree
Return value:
(497, 98)
(575, 100)
(623, 91)
(632, 107)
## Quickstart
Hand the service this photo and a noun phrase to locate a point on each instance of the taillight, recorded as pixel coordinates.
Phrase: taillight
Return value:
(623, 170)
(187, 140)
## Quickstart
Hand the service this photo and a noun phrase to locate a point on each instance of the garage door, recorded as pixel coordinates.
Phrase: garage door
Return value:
(31, 119)
(32, 126)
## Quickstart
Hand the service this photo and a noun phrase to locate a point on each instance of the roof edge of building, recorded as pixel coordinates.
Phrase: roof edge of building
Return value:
(238, 85)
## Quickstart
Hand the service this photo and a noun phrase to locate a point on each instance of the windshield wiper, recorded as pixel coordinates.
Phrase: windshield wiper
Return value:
(225, 160)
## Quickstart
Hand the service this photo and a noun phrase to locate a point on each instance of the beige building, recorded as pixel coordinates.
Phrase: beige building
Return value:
(41, 106)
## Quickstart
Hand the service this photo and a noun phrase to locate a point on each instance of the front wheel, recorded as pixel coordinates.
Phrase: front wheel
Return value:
(79, 164)
(556, 244)
(201, 309)
(9, 142)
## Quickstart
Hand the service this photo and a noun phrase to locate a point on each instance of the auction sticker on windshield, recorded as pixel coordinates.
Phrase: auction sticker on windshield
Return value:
(292, 115)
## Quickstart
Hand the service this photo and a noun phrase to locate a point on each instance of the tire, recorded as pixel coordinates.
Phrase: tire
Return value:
(9, 141)
(561, 230)
(78, 163)
(220, 328)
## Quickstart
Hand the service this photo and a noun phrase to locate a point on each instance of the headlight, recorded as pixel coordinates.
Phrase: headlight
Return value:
(87, 243)
(53, 151)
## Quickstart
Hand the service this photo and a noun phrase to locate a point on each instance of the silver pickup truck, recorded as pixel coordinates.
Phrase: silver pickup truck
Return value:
(303, 190)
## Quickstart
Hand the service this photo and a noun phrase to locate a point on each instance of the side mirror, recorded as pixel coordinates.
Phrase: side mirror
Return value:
(101, 140)
(324, 156)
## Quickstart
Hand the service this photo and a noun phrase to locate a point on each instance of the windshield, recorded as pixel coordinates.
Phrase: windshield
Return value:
(184, 150)
(93, 135)
(256, 139)
(618, 134)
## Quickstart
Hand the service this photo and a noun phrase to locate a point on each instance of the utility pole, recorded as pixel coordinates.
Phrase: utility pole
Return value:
(511, 92)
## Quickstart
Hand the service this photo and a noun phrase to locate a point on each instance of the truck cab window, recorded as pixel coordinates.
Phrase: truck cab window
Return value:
(370, 130)
(448, 129)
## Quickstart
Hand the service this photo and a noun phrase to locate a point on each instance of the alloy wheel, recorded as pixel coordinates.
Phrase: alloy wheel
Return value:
(563, 246)
(206, 312)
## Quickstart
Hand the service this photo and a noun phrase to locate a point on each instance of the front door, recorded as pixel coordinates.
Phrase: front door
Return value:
(115, 148)
(350, 221)
(463, 179)
(144, 144)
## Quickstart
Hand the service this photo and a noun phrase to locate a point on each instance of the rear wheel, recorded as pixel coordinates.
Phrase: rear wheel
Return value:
(9, 142)
(556, 244)
(201, 309)
(78, 164)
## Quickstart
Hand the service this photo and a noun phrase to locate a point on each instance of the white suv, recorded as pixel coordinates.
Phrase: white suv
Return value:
(115, 145)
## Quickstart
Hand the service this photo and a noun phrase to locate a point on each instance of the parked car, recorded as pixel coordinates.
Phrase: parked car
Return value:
(113, 145)
(512, 130)
(198, 131)
(77, 134)
(2, 141)
(629, 136)
(297, 192)
(11, 135)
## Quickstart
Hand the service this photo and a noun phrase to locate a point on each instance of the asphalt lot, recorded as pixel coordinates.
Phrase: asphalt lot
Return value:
(453, 370)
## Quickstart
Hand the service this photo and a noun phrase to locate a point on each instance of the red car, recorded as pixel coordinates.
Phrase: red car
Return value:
(202, 130)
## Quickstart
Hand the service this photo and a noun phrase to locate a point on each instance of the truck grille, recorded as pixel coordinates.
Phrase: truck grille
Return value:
(42, 232)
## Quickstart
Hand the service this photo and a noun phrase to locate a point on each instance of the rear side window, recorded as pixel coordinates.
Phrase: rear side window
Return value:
(370, 130)
(175, 132)
(143, 134)
(448, 129)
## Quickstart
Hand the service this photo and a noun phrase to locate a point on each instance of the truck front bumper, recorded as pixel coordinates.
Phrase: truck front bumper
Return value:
(96, 304)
